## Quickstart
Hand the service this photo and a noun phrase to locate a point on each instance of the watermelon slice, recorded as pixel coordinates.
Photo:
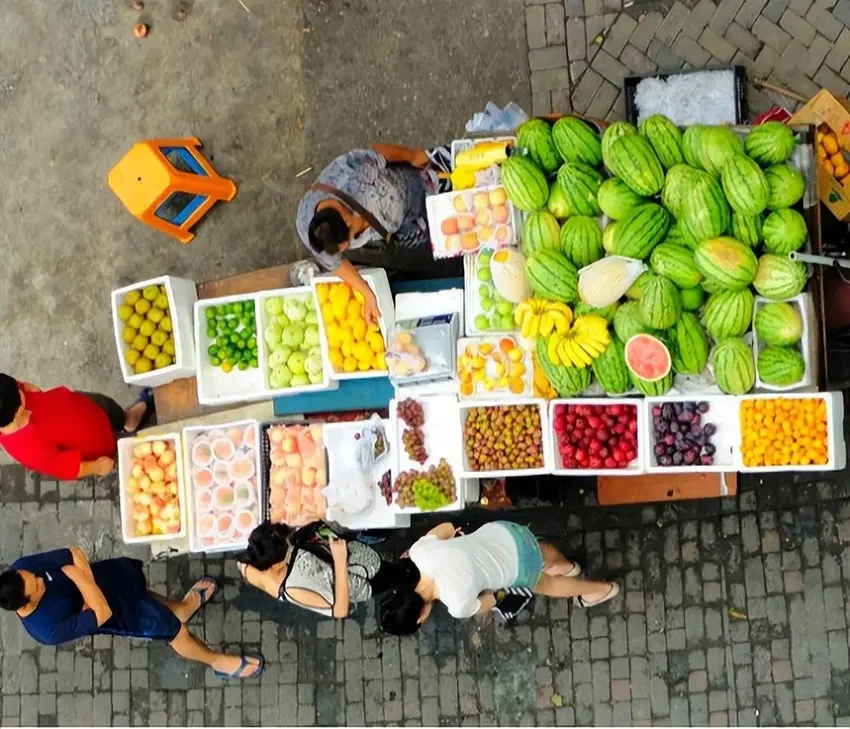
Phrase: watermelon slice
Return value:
(648, 357)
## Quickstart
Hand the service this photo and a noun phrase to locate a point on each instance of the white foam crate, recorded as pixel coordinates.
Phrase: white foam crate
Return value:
(548, 462)
(722, 412)
(806, 346)
(472, 302)
(376, 279)
(836, 446)
(189, 435)
(636, 467)
(443, 433)
(125, 465)
(528, 377)
(214, 385)
(263, 320)
(182, 294)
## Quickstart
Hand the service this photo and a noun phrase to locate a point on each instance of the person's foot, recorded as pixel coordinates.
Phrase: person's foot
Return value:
(135, 414)
(199, 595)
(591, 599)
(238, 666)
(563, 569)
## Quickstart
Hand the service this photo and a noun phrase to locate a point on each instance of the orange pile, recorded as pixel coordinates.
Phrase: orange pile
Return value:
(494, 368)
(784, 432)
(829, 154)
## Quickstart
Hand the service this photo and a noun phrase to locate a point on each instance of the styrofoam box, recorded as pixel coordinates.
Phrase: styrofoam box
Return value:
(635, 467)
(125, 465)
(806, 345)
(377, 280)
(542, 405)
(459, 145)
(528, 377)
(189, 435)
(215, 385)
(722, 412)
(443, 435)
(182, 295)
(263, 320)
(472, 302)
(834, 429)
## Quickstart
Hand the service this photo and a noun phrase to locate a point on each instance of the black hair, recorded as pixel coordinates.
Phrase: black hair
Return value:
(10, 399)
(12, 593)
(399, 611)
(269, 543)
(327, 231)
(401, 575)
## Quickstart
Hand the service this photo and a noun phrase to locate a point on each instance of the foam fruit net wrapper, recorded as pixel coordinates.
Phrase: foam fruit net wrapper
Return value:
(703, 97)
(297, 475)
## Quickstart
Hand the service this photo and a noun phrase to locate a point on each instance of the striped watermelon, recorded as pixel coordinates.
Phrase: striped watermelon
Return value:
(691, 141)
(781, 366)
(641, 231)
(628, 321)
(676, 187)
(733, 366)
(779, 324)
(705, 212)
(541, 230)
(606, 312)
(744, 185)
(778, 277)
(786, 186)
(617, 199)
(612, 133)
(610, 369)
(633, 160)
(557, 203)
(675, 237)
(675, 263)
(576, 141)
(524, 183)
(711, 286)
(660, 304)
(691, 298)
(635, 291)
(665, 138)
(770, 143)
(568, 381)
(581, 240)
(784, 231)
(580, 184)
(716, 146)
(688, 345)
(727, 262)
(552, 276)
(728, 313)
(656, 388)
(747, 228)
(608, 237)
(535, 137)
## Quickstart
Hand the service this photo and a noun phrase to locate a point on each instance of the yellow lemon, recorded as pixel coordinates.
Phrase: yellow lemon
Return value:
(334, 336)
(515, 354)
(327, 312)
(364, 366)
(363, 352)
(322, 292)
(347, 349)
(336, 358)
(346, 336)
(358, 329)
(350, 364)
(340, 292)
(380, 363)
(352, 309)
(376, 342)
(373, 328)
(338, 308)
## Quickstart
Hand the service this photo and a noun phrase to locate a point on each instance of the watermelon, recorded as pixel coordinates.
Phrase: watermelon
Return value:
(557, 204)
(675, 237)
(688, 345)
(784, 231)
(786, 186)
(581, 240)
(675, 263)
(676, 187)
(635, 291)
(541, 230)
(568, 381)
(747, 228)
(612, 133)
(691, 298)
(552, 276)
(576, 141)
(778, 277)
(580, 185)
(643, 229)
(779, 324)
(770, 143)
(661, 303)
(617, 199)
(535, 137)
(524, 183)
(733, 366)
(744, 185)
(710, 286)
(665, 138)
(608, 237)
(647, 357)
(781, 366)
(628, 321)
(705, 212)
(728, 313)
(610, 369)
(633, 160)
(655, 388)
(691, 141)
(685, 236)
(715, 147)
(606, 312)
(727, 262)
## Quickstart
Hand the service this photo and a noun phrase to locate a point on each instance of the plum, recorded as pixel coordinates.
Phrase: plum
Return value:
(665, 461)
(677, 458)
(703, 407)
(709, 449)
(674, 427)
(707, 460)
(670, 439)
(660, 449)
(709, 429)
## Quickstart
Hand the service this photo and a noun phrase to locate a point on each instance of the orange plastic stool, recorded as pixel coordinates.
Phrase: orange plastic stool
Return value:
(168, 184)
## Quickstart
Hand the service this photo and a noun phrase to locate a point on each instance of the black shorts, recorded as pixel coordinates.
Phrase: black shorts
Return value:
(113, 411)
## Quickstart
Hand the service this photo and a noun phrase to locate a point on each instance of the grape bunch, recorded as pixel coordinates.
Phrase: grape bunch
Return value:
(386, 486)
(413, 440)
(428, 490)
(411, 412)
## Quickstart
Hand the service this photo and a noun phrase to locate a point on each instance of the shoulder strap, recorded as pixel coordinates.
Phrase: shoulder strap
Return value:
(355, 206)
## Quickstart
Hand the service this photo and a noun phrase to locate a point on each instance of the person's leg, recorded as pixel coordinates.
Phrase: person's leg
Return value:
(554, 582)
(199, 594)
(555, 563)
(189, 647)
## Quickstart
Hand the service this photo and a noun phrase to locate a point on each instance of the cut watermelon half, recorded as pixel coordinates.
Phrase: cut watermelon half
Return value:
(648, 357)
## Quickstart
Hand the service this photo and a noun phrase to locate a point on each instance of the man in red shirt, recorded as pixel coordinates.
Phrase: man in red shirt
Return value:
(65, 434)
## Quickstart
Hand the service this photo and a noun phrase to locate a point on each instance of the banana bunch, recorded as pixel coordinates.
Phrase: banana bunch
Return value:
(584, 342)
(540, 317)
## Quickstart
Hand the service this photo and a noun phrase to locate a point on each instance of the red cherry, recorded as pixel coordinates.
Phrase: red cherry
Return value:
(594, 446)
(617, 454)
(602, 434)
(581, 455)
(569, 450)
(633, 426)
(610, 463)
(570, 463)
(596, 462)
(581, 423)
(603, 452)
(622, 464)
(594, 422)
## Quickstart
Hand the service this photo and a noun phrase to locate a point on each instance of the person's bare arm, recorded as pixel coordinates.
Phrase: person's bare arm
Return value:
(446, 530)
(28, 386)
(258, 579)
(487, 602)
(342, 597)
(101, 467)
(93, 598)
(348, 273)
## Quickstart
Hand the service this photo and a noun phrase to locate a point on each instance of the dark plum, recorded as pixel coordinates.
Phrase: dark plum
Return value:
(677, 408)
(703, 407)
(707, 460)
(689, 406)
(686, 417)
(696, 420)
(684, 428)
(677, 458)
(674, 427)
(663, 428)
(709, 429)
(656, 411)
(696, 431)
(709, 449)
(670, 439)
(667, 411)
(665, 461)
(660, 449)
(689, 457)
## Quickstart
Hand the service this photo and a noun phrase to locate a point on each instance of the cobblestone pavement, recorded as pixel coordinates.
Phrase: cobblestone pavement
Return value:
(733, 612)
(580, 50)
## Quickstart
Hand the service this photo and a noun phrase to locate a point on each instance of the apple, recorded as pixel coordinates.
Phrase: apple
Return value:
(289, 444)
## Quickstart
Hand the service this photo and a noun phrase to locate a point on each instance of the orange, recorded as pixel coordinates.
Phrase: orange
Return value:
(827, 165)
(516, 385)
(830, 143)
(466, 388)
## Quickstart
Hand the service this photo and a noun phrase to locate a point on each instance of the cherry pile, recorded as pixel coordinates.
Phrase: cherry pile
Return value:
(596, 436)
(413, 439)
(681, 438)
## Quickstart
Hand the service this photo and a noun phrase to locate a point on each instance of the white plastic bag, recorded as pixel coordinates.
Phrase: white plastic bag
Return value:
(350, 493)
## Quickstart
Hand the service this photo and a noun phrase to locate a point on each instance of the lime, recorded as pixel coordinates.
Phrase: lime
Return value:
(209, 312)
(222, 341)
(211, 334)
(249, 306)
(253, 362)
(482, 323)
(215, 361)
(226, 366)
(255, 351)
(241, 344)
(252, 343)
(222, 353)
(212, 351)
(237, 307)
(234, 338)
(484, 275)
(243, 365)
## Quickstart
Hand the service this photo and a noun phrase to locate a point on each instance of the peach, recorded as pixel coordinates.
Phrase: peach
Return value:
(142, 450)
(158, 447)
(157, 474)
(145, 483)
(137, 470)
(132, 485)
(308, 476)
(167, 458)
(448, 226)
(480, 201)
(276, 435)
(465, 223)
(144, 499)
(452, 242)
(501, 214)
(158, 488)
(171, 472)
(293, 460)
(289, 444)
(149, 462)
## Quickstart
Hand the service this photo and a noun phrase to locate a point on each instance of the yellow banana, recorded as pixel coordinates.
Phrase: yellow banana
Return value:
(579, 355)
(566, 353)
(553, 347)
(560, 320)
(547, 324)
(562, 307)
(591, 348)
(520, 311)
(527, 322)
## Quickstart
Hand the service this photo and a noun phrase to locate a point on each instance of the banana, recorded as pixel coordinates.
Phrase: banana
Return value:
(562, 307)
(566, 352)
(527, 323)
(553, 348)
(591, 348)
(547, 324)
(521, 311)
(560, 320)
(579, 354)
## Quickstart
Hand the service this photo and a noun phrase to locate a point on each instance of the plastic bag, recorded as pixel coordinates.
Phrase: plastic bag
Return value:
(349, 493)
(372, 446)
(494, 119)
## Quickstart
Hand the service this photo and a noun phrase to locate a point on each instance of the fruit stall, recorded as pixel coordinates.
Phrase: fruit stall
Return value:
(629, 306)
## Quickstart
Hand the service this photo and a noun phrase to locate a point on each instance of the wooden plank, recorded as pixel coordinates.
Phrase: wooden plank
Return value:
(649, 488)
(178, 400)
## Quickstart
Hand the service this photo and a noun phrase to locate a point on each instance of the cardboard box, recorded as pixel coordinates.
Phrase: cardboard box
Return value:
(824, 108)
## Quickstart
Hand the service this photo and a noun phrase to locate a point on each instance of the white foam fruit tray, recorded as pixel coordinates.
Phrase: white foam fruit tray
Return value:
(527, 378)
(806, 346)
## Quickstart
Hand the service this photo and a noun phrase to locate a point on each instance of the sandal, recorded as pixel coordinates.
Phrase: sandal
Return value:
(146, 397)
(574, 572)
(243, 664)
(610, 595)
(202, 587)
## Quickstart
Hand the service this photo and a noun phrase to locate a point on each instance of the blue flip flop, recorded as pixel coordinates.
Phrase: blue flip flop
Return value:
(242, 666)
(146, 397)
(202, 593)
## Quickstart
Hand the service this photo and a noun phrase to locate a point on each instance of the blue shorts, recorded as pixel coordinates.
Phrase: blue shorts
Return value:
(529, 556)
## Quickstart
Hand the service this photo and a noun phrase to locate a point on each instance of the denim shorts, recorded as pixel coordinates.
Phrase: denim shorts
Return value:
(529, 556)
